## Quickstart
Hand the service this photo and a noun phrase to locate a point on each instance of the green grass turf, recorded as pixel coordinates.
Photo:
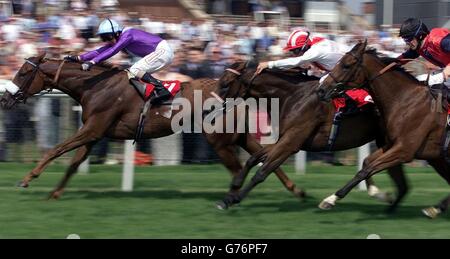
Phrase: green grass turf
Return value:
(178, 202)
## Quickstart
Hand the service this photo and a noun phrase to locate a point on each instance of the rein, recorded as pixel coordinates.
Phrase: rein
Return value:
(379, 74)
(247, 88)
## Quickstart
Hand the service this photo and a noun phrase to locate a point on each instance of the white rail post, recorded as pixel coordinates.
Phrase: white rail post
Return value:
(300, 162)
(84, 167)
(128, 167)
(363, 152)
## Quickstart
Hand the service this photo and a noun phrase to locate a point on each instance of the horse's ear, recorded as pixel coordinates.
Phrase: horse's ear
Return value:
(360, 48)
(365, 44)
(41, 57)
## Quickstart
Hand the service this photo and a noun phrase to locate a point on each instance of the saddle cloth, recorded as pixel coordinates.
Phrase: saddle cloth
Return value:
(145, 90)
(360, 96)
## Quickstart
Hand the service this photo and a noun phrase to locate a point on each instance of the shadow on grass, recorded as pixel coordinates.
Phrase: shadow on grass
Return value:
(261, 203)
(368, 212)
(155, 194)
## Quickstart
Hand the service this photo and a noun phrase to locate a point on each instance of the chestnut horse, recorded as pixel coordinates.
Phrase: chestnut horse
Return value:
(415, 122)
(111, 108)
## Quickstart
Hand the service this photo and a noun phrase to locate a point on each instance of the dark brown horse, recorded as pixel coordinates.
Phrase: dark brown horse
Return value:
(415, 125)
(305, 124)
(111, 108)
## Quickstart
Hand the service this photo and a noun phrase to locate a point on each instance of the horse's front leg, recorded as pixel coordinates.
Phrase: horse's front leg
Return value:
(252, 147)
(379, 161)
(80, 156)
(88, 133)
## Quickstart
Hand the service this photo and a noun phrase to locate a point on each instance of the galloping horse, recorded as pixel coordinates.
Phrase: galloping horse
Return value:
(415, 125)
(305, 124)
(111, 108)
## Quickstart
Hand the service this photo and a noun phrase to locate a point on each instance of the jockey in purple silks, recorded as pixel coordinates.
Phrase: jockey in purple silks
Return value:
(155, 53)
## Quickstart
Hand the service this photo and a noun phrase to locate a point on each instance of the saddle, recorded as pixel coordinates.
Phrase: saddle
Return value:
(146, 90)
(440, 94)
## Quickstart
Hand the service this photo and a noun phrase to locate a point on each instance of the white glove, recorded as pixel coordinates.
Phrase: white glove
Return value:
(86, 66)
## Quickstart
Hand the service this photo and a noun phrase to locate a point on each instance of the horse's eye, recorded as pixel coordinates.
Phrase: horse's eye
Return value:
(346, 66)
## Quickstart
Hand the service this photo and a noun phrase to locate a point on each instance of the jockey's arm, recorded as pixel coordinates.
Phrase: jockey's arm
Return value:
(445, 45)
(409, 54)
(113, 49)
(92, 54)
(309, 57)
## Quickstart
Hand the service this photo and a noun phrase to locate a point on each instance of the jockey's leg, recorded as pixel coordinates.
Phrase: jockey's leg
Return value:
(155, 61)
(161, 93)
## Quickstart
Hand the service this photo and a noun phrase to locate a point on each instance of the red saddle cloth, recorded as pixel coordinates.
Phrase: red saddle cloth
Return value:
(360, 96)
(172, 86)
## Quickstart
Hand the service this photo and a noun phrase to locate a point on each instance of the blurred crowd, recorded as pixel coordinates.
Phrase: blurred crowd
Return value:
(203, 48)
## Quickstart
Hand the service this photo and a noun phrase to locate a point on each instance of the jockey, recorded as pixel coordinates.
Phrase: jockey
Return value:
(321, 52)
(324, 54)
(433, 45)
(155, 53)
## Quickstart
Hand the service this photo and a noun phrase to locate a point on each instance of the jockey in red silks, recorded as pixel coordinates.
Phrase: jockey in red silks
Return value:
(433, 45)
(155, 54)
(320, 52)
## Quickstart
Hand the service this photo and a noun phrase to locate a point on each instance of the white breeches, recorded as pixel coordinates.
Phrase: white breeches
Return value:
(153, 62)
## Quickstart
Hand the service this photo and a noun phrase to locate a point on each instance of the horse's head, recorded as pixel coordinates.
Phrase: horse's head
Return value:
(235, 81)
(28, 81)
(347, 74)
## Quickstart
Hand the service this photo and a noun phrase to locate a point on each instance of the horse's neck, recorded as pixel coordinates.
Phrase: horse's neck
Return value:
(390, 88)
(67, 81)
(71, 80)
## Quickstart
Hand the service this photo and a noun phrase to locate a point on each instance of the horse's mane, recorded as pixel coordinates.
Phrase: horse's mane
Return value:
(292, 75)
(388, 60)
(108, 65)
(105, 65)
(107, 70)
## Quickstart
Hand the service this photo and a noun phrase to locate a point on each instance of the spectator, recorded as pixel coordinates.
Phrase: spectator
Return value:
(195, 67)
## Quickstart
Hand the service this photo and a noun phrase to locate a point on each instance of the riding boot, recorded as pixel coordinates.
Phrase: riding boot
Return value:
(161, 93)
(334, 129)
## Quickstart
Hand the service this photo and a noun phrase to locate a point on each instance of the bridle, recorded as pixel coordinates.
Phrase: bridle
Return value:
(21, 96)
(339, 86)
(242, 82)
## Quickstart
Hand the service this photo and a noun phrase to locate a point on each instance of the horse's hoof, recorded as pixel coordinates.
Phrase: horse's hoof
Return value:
(54, 196)
(384, 197)
(221, 205)
(431, 212)
(324, 205)
(23, 184)
(391, 210)
(299, 194)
